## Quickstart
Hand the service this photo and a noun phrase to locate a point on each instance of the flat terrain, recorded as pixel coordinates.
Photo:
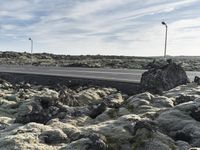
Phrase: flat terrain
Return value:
(189, 63)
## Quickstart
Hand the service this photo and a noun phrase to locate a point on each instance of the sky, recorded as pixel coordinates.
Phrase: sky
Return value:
(106, 27)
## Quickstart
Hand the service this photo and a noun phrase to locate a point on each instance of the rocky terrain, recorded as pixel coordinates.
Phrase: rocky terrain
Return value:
(38, 117)
(95, 118)
(189, 63)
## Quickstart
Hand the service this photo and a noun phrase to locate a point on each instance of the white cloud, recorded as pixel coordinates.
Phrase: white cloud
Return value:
(8, 27)
(100, 26)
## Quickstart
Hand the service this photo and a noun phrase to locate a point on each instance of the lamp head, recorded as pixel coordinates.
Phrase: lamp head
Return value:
(163, 23)
(29, 39)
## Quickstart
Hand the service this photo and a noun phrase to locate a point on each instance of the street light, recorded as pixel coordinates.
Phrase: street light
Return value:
(163, 23)
(31, 50)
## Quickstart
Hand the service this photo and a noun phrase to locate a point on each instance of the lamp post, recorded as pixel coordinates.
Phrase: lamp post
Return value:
(31, 50)
(165, 51)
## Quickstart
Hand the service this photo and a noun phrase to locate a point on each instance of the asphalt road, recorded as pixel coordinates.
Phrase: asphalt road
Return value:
(123, 75)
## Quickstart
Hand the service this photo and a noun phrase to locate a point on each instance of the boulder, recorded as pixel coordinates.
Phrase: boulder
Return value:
(146, 139)
(93, 95)
(114, 100)
(163, 77)
(25, 137)
(32, 112)
(180, 126)
(197, 80)
(38, 109)
(115, 131)
(67, 128)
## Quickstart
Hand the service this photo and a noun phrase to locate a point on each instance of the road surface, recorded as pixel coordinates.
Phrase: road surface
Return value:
(121, 75)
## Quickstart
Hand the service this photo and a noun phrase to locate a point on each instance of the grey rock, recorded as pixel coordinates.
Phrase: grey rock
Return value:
(183, 145)
(180, 126)
(197, 80)
(114, 100)
(163, 77)
(99, 109)
(184, 98)
(54, 137)
(92, 142)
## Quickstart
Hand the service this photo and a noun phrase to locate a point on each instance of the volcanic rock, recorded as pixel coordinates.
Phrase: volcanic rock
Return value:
(162, 77)
(99, 109)
(54, 137)
(197, 80)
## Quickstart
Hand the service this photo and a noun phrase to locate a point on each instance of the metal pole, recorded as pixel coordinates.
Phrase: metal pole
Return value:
(31, 50)
(31, 46)
(166, 42)
(165, 50)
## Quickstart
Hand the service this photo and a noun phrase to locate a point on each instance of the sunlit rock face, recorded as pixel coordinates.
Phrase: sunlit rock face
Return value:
(163, 76)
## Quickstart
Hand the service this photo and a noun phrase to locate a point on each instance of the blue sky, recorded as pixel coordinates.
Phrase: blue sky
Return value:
(109, 27)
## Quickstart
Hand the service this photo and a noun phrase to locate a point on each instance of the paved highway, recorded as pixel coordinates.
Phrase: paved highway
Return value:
(123, 75)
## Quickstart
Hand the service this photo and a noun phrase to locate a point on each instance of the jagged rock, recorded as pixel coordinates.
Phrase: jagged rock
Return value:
(135, 102)
(183, 98)
(33, 112)
(148, 140)
(147, 124)
(3, 126)
(86, 144)
(114, 100)
(197, 80)
(107, 120)
(156, 64)
(69, 129)
(182, 136)
(109, 113)
(97, 141)
(146, 95)
(191, 89)
(24, 85)
(4, 84)
(54, 137)
(183, 145)
(5, 122)
(139, 100)
(195, 113)
(40, 110)
(180, 125)
(99, 109)
(93, 95)
(113, 130)
(162, 101)
(25, 137)
(163, 77)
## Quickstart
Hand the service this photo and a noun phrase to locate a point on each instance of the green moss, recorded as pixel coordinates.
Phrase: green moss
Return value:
(139, 144)
(130, 108)
(140, 141)
(112, 113)
(149, 135)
